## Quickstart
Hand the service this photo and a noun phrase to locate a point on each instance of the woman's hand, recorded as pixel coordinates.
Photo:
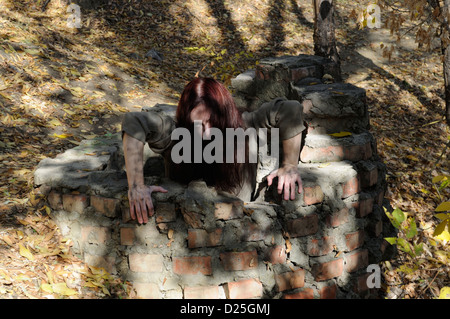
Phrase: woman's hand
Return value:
(288, 175)
(141, 205)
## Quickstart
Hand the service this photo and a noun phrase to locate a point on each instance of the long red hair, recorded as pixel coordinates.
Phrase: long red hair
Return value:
(224, 114)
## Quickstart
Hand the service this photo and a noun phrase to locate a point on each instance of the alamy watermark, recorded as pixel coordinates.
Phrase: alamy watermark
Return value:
(214, 151)
(74, 19)
(372, 15)
(374, 279)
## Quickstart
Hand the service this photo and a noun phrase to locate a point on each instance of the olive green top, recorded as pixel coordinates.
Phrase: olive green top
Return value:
(156, 129)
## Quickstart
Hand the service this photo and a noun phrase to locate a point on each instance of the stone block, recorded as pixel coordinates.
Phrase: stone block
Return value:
(307, 293)
(75, 202)
(192, 265)
(146, 262)
(303, 226)
(290, 280)
(328, 270)
(232, 261)
(244, 289)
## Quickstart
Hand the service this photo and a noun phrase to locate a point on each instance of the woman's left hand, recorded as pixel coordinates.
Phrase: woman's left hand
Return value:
(288, 175)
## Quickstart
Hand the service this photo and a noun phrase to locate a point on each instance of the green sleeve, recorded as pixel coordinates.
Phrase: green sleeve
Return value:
(286, 115)
(150, 127)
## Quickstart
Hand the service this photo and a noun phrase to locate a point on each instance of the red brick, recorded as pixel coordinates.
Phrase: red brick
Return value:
(351, 187)
(336, 153)
(363, 207)
(192, 265)
(380, 197)
(55, 200)
(377, 228)
(303, 226)
(355, 153)
(328, 270)
(312, 195)
(262, 72)
(290, 280)
(368, 178)
(322, 154)
(126, 217)
(338, 218)
(165, 212)
(75, 202)
(127, 236)
(229, 210)
(356, 260)
(354, 240)
(232, 261)
(204, 292)
(303, 72)
(244, 289)
(201, 238)
(307, 293)
(147, 290)
(277, 255)
(259, 75)
(361, 283)
(328, 292)
(95, 235)
(320, 246)
(106, 206)
(146, 262)
(251, 231)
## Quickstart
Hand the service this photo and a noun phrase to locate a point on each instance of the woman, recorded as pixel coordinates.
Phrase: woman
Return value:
(208, 102)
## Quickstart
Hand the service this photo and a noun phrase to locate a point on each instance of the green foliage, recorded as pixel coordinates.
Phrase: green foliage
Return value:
(442, 230)
(413, 245)
(407, 231)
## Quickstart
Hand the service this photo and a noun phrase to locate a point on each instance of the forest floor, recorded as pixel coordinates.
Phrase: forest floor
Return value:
(60, 85)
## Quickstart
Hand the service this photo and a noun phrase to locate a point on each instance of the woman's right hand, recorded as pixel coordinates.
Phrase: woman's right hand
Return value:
(141, 205)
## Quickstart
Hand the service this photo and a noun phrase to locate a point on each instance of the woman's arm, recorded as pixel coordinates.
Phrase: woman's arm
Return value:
(138, 128)
(139, 194)
(287, 116)
(288, 174)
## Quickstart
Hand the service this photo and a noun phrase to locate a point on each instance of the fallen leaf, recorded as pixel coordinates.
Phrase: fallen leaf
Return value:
(444, 293)
(62, 289)
(7, 240)
(62, 135)
(25, 252)
(341, 134)
(46, 288)
(443, 207)
(288, 246)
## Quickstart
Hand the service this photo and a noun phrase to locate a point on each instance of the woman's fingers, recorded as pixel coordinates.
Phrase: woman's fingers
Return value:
(141, 204)
(271, 176)
(293, 189)
(158, 189)
(300, 184)
(149, 206)
(281, 179)
(138, 209)
(287, 178)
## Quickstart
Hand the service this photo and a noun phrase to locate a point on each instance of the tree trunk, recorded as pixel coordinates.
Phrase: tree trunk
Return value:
(445, 43)
(324, 37)
(447, 83)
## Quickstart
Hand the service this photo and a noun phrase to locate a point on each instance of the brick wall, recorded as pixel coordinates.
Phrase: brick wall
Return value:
(201, 244)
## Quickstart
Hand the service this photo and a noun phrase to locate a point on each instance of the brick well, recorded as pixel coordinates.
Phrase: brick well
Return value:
(200, 244)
